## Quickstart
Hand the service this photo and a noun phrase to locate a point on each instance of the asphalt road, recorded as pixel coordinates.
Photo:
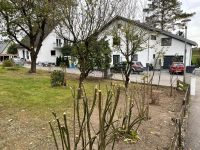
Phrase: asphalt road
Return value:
(165, 76)
(193, 127)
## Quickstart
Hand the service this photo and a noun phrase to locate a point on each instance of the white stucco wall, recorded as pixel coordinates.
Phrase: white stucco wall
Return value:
(44, 54)
(177, 47)
(49, 44)
(26, 54)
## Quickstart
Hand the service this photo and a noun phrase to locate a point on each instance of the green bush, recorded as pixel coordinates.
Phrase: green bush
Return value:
(198, 61)
(57, 78)
(7, 63)
(61, 60)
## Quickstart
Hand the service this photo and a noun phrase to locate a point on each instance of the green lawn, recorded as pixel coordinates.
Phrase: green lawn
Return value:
(23, 90)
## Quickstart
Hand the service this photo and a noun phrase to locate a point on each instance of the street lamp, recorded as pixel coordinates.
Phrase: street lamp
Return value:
(185, 51)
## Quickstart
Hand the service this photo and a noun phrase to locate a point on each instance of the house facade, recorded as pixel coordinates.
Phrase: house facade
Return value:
(172, 46)
(49, 50)
(4, 45)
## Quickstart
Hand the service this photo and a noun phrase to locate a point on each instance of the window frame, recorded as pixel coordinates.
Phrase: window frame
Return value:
(54, 52)
(168, 43)
(153, 37)
(58, 42)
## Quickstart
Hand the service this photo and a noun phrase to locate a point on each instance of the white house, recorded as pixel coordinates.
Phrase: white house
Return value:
(49, 50)
(172, 45)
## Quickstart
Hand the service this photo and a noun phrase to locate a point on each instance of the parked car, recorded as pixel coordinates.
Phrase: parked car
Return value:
(137, 67)
(121, 66)
(118, 67)
(176, 68)
(18, 61)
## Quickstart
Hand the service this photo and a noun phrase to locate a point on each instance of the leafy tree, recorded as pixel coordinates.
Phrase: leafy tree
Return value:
(100, 54)
(66, 50)
(30, 19)
(163, 13)
(12, 49)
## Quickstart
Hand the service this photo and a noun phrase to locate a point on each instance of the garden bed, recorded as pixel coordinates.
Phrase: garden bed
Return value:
(24, 124)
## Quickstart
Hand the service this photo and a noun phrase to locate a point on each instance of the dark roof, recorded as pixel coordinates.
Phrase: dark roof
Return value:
(147, 27)
(3, 45)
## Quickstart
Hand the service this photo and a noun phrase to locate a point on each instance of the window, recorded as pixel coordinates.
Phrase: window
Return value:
(154, 56)
(58, 42)
(135, 57)
(166, 42)
(116, 41)
(23, 51)
(119, 25)
(153, 37)
(116, 59)
(27, 55)
(53, 53)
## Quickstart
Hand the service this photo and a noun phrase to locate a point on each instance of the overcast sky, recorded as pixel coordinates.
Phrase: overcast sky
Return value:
(194, 25)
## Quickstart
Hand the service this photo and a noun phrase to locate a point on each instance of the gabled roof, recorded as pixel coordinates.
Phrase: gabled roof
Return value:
(3, 45)
(26, 39)
(147, 27)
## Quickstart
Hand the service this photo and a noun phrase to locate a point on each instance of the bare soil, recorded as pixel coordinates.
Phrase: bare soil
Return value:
(23, 129)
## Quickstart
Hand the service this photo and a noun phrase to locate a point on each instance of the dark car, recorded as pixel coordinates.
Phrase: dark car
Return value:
(121, 66)
(118, 67)
(176, 67)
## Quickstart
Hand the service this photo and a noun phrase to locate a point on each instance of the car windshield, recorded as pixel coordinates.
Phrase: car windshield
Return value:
(178, 64)
(139, 63)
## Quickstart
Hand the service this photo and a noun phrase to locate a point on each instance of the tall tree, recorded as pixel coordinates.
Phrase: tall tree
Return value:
(164, 13)
(80, 25)
(28, 19)
(129, 39)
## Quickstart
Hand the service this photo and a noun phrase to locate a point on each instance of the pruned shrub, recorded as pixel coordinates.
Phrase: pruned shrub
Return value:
(7, 63)
(57, 78)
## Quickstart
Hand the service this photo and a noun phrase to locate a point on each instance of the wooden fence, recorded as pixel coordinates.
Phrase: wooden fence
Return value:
(177, 141)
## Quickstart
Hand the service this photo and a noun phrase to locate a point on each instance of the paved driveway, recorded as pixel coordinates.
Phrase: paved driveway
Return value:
(165, 76)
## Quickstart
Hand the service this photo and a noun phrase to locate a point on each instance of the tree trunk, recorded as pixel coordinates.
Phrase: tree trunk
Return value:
(127, 81)
(81, 79)
(33, 63)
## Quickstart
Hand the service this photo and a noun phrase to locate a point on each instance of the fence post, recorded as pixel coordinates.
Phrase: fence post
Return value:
(177, 84)
(179, 133)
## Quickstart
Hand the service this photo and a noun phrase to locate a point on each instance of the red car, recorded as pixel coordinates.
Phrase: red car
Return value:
(176, 67)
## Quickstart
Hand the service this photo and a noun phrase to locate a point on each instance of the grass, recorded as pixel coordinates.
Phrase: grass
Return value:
(18, 89)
